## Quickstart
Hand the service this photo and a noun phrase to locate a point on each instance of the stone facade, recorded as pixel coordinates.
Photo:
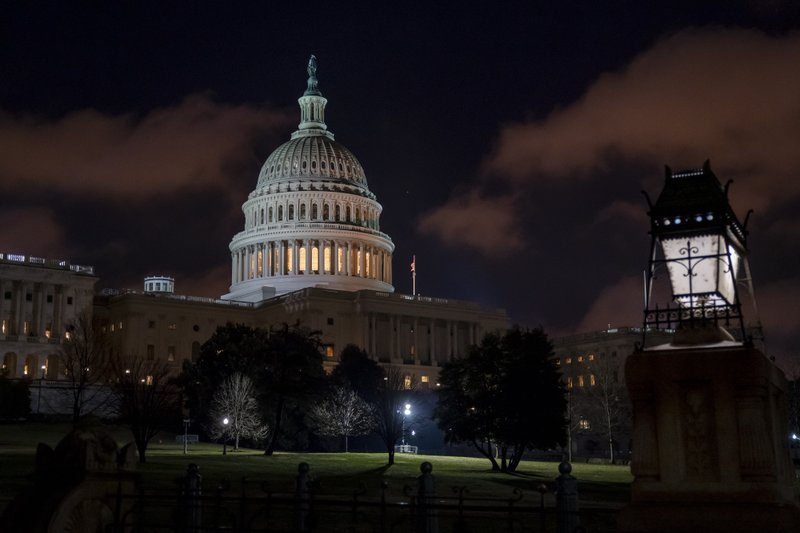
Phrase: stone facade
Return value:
(39, 300)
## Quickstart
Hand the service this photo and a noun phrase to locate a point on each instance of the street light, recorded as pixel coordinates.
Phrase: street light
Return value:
(41, 382)
(406, 412)
(225, 423)
(697, 237)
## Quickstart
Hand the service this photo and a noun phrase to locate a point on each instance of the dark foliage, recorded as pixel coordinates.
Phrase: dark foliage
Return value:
(358, 372)
(15, 399)
(505, 396)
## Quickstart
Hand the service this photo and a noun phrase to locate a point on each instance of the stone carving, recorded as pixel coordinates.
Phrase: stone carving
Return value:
(699, 436)
(74, 486)
(755, 445)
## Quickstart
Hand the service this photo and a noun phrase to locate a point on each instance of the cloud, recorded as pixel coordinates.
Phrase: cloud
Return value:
(31, 231)
(475, 221)
(198, 142)
(619, 304)
(725, 94)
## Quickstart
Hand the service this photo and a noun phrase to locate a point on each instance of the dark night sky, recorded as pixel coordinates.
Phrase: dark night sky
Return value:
(507, 142)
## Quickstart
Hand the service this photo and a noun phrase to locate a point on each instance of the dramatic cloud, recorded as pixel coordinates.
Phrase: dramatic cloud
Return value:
(199, 142)
(33, 231)
(475, 221)
(728, 95)
(619, 304)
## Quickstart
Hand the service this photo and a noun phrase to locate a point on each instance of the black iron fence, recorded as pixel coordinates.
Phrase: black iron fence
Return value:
(247, 507)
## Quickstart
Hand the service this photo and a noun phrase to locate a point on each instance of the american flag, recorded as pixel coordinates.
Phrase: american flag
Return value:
(413, 263)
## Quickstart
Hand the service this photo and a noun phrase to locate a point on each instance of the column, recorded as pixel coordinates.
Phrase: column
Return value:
(295, 258)
(449, 339)
(38, 306)
(334, 257)
(362, 256)
(432, 341)
(309, 245)
(233, 268)
(346, 257)
(281, 258)
(19, 306)
(58, 311)
(415, 325)
(392, 327)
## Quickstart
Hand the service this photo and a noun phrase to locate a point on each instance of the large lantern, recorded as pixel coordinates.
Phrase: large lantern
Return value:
(699, 241)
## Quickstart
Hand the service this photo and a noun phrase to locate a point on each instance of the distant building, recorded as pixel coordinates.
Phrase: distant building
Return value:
(39, 300)
(593, 370)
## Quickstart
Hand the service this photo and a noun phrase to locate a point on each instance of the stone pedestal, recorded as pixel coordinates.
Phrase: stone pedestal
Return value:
(710, 442)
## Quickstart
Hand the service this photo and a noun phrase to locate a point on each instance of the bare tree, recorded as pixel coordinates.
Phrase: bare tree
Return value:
(345, 414)
(235, 400)
(389, 405)
(148, 399)
(609, 406)
(84, 362)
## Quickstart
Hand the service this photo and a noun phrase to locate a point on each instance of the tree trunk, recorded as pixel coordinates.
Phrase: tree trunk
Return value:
(277, 428)
(345, 444)
(236, 442)
(488, 455)
(390, 449)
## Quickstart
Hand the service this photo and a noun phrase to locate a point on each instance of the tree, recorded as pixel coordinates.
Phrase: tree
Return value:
(392, 396)
(608, 406)
(343, 414)
(359, 373)
(84, 360)
(15, 398)
(505, 394)
(235, 401)
(291, 373)
(148, 400)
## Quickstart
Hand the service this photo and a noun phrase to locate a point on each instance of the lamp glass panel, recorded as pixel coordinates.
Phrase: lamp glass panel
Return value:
(699, 270)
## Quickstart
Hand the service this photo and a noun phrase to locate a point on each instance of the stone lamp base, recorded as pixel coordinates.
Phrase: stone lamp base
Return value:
(710, 442)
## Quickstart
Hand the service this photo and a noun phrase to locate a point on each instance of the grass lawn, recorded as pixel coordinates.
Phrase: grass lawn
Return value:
(335, 472)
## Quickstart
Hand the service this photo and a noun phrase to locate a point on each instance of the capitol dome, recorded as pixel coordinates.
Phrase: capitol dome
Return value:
(311, 220)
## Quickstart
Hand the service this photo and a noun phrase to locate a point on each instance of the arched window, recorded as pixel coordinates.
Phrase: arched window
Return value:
(338, 213)
(10, 365)
(301, 259)
(302, 211)
(280, 213)
(270, 215)
(262, 216)
(358, 215)
(291, 211)
(326, 212)
(31, 366)
(314, 212)
(347, 214)
(51, 367)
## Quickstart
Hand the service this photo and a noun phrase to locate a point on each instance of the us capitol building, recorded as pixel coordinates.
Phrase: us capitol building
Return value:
(311, 251)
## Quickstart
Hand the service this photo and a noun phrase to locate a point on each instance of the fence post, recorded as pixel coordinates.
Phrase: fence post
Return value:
(302, 495)
(427, 521)
(192, 491)
(567, 517)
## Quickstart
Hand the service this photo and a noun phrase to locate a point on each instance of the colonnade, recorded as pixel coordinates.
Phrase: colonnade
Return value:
(33, 308)
(311, 256)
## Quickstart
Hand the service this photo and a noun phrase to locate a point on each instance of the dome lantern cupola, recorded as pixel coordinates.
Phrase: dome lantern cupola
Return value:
(311, 220)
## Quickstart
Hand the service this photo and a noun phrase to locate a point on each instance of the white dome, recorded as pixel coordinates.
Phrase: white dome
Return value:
(311, 220)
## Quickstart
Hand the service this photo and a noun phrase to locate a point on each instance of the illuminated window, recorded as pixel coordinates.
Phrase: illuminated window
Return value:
(288, 259)
(113, 327)
(120, 324)
(367, 261)
(301, 256)
(558, 362)
(580, 359)
(569, 382)
(424, 379)
(329, 350)
(592, 380)
(148, 380)
(590, 357)
(25, 327)
(580, 381)
(48, 331)
(358, 262)
(568, 360)
(340, 260)
(172, 326)
(407, 382)
(326, 257)
(4, 327)
(260, 263)
(584, 424)
(170, 353)
(67, 335)
(413, 350)
(315, 258)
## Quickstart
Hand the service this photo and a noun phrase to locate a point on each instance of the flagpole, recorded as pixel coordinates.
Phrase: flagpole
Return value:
(413, 275)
